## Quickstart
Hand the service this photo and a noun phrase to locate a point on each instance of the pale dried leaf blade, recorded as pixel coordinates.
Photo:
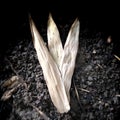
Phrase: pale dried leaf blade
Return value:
(7, 94)
(10, 81)
(11, 86)
(51, 73)
(69, 56)
(54, 41)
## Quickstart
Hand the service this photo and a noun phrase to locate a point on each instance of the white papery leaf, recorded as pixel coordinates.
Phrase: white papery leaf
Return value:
(69, 55)
(51, 72)
(57, 63)
(54, 41)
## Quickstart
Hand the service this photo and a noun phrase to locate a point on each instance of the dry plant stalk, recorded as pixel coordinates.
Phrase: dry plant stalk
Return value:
(57, 62)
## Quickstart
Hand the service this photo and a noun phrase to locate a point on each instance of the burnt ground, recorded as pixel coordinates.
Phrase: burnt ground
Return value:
(96, 77)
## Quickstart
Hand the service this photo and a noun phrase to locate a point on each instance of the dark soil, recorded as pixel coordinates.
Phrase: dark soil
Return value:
(96, 77)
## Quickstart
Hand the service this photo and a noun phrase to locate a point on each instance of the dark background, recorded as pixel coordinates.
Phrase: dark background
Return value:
(99, 16)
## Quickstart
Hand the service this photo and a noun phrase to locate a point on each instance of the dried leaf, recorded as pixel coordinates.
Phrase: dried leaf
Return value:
(69, 55)
(10, 81)
(57, 63)
(54, 41)
(7, 94)
(51, 72)
(11, 86)
(65, 59)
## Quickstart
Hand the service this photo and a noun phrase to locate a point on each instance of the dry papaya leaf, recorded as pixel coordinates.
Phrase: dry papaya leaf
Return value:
(51, 72)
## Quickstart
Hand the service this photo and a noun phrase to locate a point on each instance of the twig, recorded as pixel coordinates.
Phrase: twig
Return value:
(76, 91)
(100, 66)
(84, 90)
(78, 98)
(11, 66)
(118, 95)
(117, 57)
(40, 112)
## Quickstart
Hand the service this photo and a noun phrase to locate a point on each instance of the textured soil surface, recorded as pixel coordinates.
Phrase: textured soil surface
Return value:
(95, 90)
